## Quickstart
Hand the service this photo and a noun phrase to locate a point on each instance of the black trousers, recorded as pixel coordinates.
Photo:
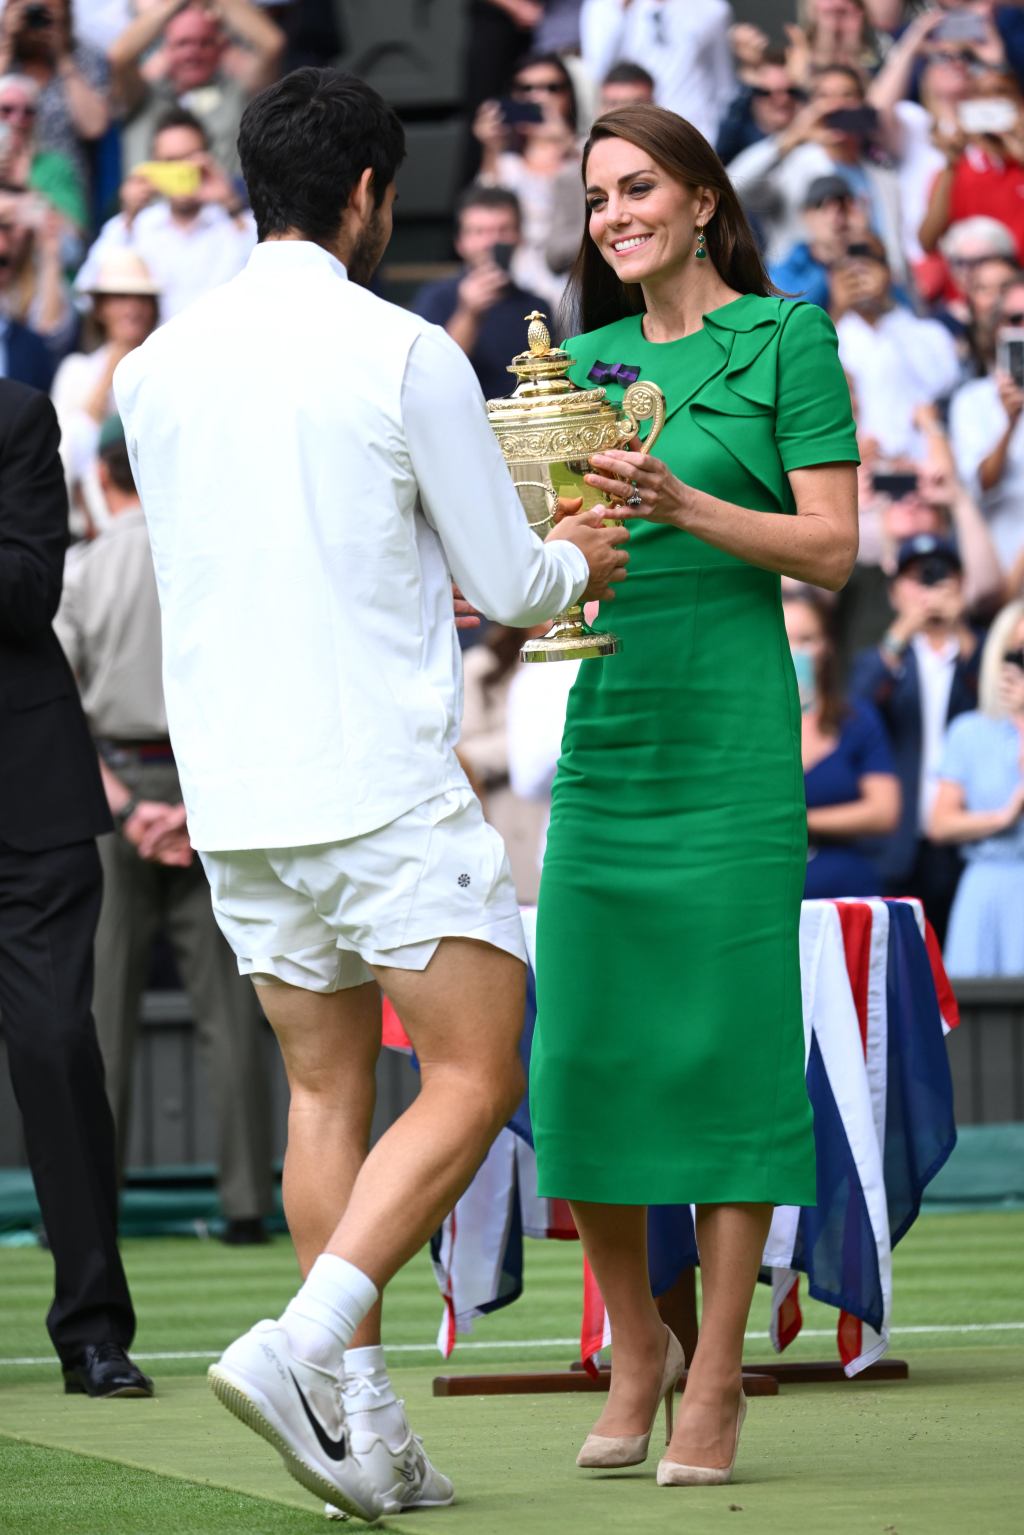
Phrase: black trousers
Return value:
(933, 879)
(49, 905)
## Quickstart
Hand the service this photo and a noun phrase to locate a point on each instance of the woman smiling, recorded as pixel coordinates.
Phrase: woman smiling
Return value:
(668, 1063)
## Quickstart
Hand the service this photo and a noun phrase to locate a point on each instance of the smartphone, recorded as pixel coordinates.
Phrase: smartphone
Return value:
(516, 113)
(894, 485)
(1010, 355)
(171, 178)
(960, 27)
(501, 255)
(861, 121)
(987, 114)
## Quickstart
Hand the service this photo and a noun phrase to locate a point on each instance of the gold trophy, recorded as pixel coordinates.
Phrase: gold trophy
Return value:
(547, 430)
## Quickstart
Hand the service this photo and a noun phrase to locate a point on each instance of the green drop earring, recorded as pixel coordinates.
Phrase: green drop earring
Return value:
(701, 251)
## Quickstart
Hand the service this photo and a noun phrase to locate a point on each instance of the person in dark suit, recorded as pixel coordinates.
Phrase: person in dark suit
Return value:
(51, 809)
(24, 356)
(922, 675)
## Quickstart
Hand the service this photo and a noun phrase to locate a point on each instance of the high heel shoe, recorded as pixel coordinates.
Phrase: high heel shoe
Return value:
(609, 1450)
(672, 1473)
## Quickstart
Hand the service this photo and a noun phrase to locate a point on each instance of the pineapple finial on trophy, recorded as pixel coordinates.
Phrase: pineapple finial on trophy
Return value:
(538, 336)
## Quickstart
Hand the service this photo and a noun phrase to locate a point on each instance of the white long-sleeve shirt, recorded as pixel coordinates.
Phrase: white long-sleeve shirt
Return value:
(683, 44)
(896, 364)
(977, 421)
(315, 465)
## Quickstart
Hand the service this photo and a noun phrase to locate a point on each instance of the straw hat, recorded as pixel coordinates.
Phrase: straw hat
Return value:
(122, 272)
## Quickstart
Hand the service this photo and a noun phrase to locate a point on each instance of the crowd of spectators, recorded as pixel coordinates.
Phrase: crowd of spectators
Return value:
(878, 148)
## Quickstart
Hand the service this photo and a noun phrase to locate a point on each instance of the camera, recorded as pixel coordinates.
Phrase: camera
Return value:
(38, 16)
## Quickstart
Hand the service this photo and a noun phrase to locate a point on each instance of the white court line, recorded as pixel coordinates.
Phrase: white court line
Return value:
(526, 1344)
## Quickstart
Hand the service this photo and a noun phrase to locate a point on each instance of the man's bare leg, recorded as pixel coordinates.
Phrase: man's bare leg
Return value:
(330, 1043)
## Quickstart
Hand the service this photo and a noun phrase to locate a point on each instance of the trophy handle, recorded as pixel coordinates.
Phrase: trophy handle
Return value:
(551, 496)
(645, 402)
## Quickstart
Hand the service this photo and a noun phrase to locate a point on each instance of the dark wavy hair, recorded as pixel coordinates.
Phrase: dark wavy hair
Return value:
(594, 295)
(305, 141)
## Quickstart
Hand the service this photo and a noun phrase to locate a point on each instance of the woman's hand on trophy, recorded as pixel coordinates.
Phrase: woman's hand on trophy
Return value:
(640, 485)
(602, 546)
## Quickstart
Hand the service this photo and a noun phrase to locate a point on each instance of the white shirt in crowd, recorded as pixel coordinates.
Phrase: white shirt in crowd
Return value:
(315, 465)
(774, 188)
(919, 164)
(896, 365)
(977, 421)
(186, 261)
(935, 670)
(537, 701)
(683, 44)
(101, 21)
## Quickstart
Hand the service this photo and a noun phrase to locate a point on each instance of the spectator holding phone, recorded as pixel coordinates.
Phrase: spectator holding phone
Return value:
(831, 219)
(767, 104)
(37, 39)
(195, 41)
(483, 308)
(849, 779)
(33, 290)
(922, 675)
(24, 166)
(530, 146)
(192, 239)
(979, 808)
(831, 32)
(984, 423)
(835, 134)
(983, 169)
(896, 360)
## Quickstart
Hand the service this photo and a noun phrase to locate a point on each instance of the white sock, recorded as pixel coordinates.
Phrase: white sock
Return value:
(322, 1317)
(370, 1402)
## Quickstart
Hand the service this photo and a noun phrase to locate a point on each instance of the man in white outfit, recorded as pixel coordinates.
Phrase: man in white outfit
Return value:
(315, 466)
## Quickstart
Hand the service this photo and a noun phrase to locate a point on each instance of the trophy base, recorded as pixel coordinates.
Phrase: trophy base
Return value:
(566, 643)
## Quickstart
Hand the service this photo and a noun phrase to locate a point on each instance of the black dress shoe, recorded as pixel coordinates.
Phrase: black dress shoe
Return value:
(104, 1369)
(247, 1232)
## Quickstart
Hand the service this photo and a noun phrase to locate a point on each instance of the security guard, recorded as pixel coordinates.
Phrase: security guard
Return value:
(109, 625)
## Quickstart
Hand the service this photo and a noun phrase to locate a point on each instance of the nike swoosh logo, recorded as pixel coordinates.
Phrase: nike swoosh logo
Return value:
(335, 1449)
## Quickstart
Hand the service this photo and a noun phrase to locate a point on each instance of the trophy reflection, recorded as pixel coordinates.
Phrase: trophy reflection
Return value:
(547, 430)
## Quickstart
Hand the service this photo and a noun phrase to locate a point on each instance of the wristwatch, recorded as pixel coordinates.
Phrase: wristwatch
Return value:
(124, 815)
(894, 646)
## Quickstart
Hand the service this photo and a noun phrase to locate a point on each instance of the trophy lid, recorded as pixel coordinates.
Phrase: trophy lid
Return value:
(542, 369)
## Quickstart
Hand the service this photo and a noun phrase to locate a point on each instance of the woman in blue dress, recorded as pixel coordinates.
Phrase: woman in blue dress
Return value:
(852, 790)
(980, 805)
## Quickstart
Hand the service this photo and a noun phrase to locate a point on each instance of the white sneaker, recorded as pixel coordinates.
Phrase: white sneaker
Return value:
(401, 1479)
(297, 1408)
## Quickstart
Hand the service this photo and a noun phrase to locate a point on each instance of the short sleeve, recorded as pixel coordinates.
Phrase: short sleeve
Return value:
(873, 753)
(959, 750)
(814, 417)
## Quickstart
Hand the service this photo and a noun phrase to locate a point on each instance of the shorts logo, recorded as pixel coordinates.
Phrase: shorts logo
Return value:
(465, 881)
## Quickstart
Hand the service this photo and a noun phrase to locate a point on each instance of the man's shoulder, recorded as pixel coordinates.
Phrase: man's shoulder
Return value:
(436, 300)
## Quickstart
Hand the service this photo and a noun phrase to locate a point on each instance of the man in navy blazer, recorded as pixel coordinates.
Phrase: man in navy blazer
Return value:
(25, 356)
(52, 807)
(922, 675)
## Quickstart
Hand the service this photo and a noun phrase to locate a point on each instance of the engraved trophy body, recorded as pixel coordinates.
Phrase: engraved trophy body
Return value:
(547, 431)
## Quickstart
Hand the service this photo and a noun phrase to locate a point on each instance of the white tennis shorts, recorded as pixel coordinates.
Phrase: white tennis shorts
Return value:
(319, 916)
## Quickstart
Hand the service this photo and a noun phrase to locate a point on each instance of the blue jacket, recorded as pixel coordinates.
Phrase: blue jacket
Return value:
(29, 360)
(801, 276)
(897, 697)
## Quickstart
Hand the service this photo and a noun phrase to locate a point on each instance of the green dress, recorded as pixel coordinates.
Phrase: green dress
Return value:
(668, 1057)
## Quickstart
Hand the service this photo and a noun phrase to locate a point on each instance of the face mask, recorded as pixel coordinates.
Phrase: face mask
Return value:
(806, 679)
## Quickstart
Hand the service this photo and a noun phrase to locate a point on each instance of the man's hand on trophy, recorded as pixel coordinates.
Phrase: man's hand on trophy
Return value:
(466, 615)
(603, 547)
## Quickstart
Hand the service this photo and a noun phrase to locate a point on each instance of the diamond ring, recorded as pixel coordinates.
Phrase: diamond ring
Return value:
(636, 499)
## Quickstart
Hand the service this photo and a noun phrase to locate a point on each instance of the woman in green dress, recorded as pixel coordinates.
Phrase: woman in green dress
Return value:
(668, 1062)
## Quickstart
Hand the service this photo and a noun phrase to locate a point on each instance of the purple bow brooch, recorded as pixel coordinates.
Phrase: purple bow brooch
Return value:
(613, 373)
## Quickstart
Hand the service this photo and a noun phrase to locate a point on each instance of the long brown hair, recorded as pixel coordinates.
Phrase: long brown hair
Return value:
(594, 295)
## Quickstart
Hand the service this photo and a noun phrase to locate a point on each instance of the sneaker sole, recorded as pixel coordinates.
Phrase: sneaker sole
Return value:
(242, 1407)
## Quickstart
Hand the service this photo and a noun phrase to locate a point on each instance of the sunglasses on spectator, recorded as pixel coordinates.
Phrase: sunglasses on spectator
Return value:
(1015, 658)
(792, 91)
(9, 109)
(1013, 317)
(953, 56)
(538, 88)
